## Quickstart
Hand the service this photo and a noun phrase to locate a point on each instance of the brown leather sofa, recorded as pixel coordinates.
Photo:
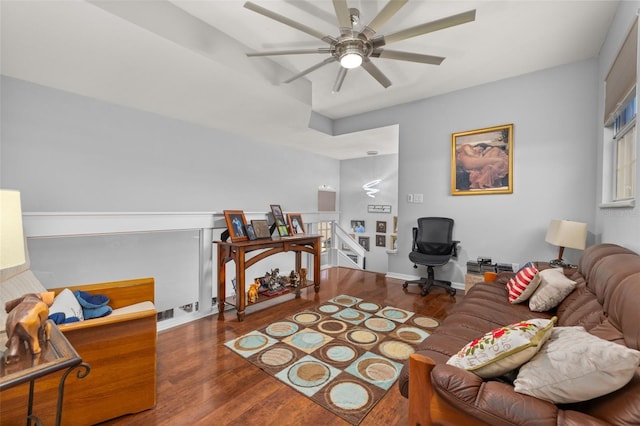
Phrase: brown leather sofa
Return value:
(606, 302)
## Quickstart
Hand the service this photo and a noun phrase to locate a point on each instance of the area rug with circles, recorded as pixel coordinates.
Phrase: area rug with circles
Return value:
(344, 354)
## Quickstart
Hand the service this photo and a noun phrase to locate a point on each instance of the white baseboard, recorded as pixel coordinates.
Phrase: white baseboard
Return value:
(405, 277)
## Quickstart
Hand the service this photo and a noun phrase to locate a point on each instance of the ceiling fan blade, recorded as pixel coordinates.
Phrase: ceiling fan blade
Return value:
(382, 17)
(291, 52)
(343, 15)
(407, 56)
(440, 24)
(290, 22)
(341, 75)
(376, 73)
(310, 69)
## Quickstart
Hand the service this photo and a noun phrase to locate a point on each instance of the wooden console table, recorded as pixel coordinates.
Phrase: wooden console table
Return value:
(228, 251)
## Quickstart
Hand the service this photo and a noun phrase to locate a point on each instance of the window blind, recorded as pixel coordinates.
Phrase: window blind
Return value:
(622, 76)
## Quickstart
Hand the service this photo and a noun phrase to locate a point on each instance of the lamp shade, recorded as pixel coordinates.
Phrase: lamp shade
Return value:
(565, 233)
(11, 235)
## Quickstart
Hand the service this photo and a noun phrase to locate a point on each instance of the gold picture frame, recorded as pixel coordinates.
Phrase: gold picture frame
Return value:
(482, 161)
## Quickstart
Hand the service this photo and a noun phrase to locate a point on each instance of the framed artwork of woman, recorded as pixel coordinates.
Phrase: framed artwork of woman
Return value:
(482, 161)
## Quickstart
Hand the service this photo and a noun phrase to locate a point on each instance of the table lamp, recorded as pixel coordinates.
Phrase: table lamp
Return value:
(11, 234)
(565, 233)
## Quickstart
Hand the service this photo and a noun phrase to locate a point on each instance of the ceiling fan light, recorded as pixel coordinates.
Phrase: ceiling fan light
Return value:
(351, 60)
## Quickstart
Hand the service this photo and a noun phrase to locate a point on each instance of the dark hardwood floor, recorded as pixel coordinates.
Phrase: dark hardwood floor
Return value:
(200, 381)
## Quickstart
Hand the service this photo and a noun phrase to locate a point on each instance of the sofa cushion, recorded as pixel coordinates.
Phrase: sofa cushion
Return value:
(576, 366)
(65, 308)
(554, 287)
(523, 283)
(503, 349)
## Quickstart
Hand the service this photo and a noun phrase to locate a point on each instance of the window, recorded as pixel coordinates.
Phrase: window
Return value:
(621, 106)
(325, 229)
(626, 158)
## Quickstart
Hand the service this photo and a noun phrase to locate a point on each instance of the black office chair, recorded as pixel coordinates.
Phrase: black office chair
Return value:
(432, 246)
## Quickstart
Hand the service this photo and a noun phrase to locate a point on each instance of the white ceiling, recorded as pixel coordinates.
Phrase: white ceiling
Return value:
(186, 59)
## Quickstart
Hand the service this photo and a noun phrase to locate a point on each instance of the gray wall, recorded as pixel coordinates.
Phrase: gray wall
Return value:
(354, 201)
(554, 160)
(66, 152)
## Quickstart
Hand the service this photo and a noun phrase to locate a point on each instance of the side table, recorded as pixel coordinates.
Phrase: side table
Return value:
(471, 279)
(57, 354)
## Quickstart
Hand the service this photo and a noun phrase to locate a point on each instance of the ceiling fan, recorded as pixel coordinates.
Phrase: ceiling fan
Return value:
(353, 49)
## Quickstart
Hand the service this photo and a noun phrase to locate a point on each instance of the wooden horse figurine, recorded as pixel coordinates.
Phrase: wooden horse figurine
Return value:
(27, 322)
(253, 292)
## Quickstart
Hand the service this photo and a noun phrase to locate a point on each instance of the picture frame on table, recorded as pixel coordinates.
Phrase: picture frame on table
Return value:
(236, 223)
(261, 228)
(296, 225)
(278, 218)
(482, 161)
(251, 233)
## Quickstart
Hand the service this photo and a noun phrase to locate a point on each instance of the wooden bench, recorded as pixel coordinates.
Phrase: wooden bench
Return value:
(121, 350)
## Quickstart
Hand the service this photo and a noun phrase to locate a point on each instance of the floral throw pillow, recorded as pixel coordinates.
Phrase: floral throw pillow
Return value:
(503, 349)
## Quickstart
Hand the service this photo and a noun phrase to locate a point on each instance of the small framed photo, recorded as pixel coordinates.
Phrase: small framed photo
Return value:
(381, 240)
(251, 234)
(364, 242)
(276, 210)
(357, 226)
(395, 224)
(236, 223)
(295, 223)
(393, 242)
(283, 230)
(261, 228)
(381, 227)
(278, 218)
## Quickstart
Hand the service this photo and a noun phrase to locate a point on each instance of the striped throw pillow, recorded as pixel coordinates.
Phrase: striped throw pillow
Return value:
(523, 284)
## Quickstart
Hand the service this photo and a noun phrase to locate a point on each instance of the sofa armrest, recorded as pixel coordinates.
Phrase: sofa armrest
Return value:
(426, 407)
(120, 293)
(493, 402)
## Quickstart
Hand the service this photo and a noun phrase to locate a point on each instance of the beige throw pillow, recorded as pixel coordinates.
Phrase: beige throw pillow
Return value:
(503, 349)
(554, 287)
(576, 366)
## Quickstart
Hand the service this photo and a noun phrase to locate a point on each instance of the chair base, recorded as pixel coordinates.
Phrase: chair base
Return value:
(430, 281)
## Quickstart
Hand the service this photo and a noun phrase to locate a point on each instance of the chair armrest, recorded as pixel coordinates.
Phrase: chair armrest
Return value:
(414, 244)
(120, 293)
(455, 248)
